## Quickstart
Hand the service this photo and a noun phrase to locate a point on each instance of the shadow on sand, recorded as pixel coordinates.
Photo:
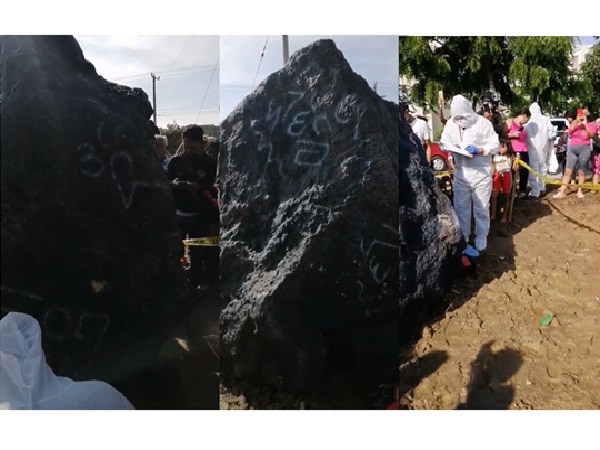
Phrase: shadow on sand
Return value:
(496, 261)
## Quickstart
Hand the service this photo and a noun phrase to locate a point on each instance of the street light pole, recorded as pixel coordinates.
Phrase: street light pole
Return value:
(286, 49)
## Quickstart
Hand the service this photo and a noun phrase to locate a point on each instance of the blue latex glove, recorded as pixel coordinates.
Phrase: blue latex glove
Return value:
(472, 150)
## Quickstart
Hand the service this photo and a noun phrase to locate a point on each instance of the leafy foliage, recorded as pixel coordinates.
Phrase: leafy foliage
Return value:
(173, 133)
(589, 81)
(521, 69)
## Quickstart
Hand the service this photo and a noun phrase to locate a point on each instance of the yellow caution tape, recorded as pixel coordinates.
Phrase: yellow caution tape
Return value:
(202, 242)
(552, 181)
(440, 174)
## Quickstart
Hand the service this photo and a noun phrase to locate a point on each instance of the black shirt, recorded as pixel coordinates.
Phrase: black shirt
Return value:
(193, 167)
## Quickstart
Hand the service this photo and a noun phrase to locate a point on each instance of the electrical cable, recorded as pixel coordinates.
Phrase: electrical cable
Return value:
(260, 61)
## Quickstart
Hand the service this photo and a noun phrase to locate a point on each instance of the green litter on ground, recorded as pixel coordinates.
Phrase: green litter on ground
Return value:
(546, 320)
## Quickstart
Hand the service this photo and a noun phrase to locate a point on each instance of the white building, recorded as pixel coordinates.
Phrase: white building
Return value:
(579, 56)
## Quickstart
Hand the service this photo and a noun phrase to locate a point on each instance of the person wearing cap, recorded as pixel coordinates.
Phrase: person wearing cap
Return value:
(421, 129)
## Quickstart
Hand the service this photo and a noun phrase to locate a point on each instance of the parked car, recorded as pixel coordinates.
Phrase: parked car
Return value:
(439, 158)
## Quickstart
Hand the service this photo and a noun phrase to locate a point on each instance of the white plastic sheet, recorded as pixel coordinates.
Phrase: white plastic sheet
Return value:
(27, 382)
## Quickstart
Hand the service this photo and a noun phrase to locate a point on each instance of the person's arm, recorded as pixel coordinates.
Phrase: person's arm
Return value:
(427, 145)
(426, 141)
(589, 128)
(574, 125)
(552, 131)
(446, 143)
(441, 116)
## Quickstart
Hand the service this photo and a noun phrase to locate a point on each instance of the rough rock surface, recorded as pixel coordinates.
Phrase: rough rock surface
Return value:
(309, 238)
(89, 240)
(430, 240)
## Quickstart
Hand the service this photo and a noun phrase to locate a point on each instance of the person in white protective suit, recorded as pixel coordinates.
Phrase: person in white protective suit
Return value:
(540, 142)
(27, 382)
(472, 175)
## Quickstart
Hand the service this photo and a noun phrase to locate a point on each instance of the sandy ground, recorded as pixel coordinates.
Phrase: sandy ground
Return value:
(488, 350)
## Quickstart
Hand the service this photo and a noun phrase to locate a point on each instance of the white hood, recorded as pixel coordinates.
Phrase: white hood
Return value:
(460, 106)
(27, 382)
(535, 109)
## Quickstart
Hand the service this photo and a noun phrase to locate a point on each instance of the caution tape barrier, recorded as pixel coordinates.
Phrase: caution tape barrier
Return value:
(552, 181)
(202, 242)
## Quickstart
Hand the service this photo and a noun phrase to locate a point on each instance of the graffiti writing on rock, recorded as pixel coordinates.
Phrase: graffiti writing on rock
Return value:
(382, 257)
(120, 167)
(310, 153)
(87, 328)
(309, 120)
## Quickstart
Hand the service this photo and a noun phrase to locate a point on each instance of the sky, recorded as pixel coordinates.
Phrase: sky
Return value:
(183, 63)
(587, 40)
(375, 58)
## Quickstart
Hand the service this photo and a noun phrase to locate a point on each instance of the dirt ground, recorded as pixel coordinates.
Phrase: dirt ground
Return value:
(488, 350)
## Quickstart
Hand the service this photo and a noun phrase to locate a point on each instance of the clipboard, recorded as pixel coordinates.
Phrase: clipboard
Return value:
(460, 151)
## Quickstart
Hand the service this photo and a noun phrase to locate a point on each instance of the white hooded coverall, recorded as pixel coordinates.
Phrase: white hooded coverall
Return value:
(472, 176)
(27, 382)
(540, 140)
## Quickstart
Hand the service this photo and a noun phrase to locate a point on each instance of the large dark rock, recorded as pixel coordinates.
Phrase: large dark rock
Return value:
(90, 245)
(430, 238)
(309, 238)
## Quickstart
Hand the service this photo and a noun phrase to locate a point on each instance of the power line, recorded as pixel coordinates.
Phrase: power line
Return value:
(181, 53)
(357, 47)
(183, 70)
(208, 87)
(260, 61)
(189, 109)
(227, 41)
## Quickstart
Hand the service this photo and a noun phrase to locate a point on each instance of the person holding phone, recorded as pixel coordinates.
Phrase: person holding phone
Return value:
(192, 174)
(581, 133)
(514, 130)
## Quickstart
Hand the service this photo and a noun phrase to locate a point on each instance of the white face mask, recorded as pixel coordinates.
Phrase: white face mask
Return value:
(462, 122)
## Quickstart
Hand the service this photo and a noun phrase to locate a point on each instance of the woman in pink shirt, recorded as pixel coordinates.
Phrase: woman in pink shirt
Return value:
(581, 133)
(515, 132)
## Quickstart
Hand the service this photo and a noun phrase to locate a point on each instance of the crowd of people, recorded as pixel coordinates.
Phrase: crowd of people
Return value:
(485, 154)
(192, 172)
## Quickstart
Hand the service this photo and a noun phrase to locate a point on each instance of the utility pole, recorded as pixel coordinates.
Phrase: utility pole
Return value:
(286, 49)
(375, 87)
(154, 80)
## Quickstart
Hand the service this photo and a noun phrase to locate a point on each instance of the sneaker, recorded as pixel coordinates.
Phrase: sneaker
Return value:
(470, 251)
(580, 194)
(559, 195)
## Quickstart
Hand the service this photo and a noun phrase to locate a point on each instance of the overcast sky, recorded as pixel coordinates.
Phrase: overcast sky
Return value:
(373, 57)
(184, 63)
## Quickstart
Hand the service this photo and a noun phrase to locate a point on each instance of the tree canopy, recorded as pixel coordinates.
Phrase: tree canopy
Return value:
(521, 69)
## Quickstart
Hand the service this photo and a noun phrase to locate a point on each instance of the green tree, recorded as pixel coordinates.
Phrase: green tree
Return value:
(540, 69)
(173, 134)
(587, 84)
(465, 65)
(520, 69)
